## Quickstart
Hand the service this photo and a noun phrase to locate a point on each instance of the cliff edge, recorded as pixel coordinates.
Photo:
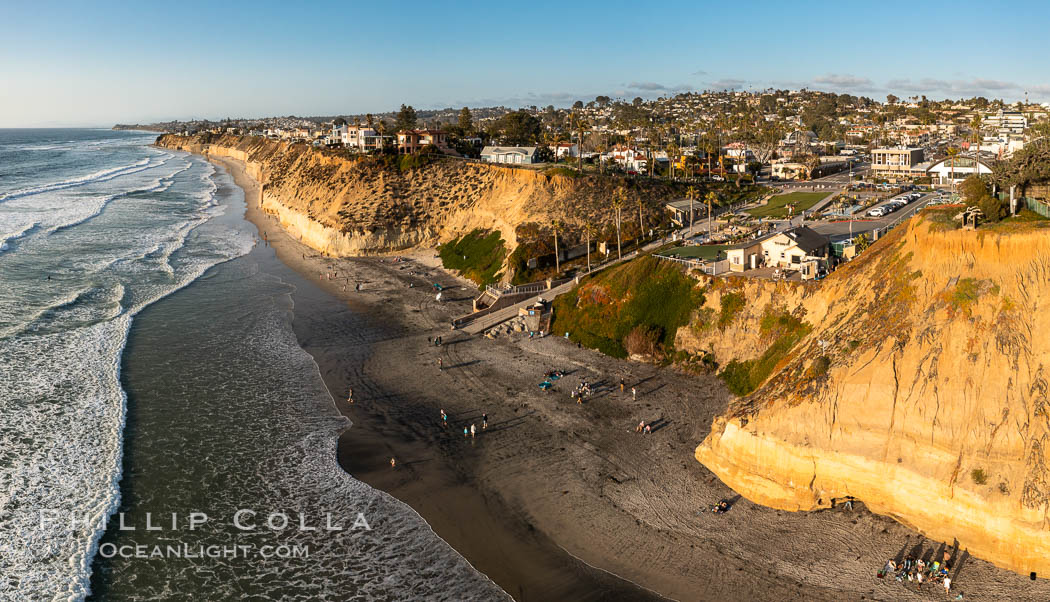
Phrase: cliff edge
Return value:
(346, 205)
(916, 380)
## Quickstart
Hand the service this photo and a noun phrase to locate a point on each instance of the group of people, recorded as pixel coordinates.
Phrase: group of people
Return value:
(918, 571)
(582, 390)
(468, 431)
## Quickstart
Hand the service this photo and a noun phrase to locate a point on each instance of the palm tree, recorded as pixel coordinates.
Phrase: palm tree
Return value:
(975, 127)
(641, 226)
(710, 198)
(556, 225)
(619, 200)
(691, 193)
(952, 152)
(579, 124)
(588, 230)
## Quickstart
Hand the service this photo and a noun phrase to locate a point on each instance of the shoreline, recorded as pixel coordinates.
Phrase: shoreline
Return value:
(445, 503)
(552, 481)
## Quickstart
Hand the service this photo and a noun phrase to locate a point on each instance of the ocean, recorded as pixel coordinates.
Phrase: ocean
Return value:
(162, 433)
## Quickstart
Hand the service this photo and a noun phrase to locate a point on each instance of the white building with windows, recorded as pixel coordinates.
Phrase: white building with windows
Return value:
(944, 171)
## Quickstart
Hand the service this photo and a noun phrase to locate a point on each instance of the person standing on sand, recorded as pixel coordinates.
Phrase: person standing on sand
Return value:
(350, 395)
(444, 418)
(473, 431)
(466, 431)
(621, 384)
(484, 421)
(393, 463)
(634, 394)
(441, 365)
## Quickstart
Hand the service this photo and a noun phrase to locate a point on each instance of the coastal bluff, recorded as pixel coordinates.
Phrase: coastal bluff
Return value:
(345, 205)
(919, 384)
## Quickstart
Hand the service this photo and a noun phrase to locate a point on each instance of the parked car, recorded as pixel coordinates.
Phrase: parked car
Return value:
(877, 212)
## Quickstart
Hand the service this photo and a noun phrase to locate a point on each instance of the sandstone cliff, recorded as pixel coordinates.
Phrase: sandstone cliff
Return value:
(346, 206)
(919, 385)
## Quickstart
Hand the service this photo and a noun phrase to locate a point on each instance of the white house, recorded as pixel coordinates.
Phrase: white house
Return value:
(515, 155)
(353, 136)
(567, 149)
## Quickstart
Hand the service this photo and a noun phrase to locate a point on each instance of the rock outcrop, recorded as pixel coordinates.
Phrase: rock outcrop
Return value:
(353, 206)
(922, 388)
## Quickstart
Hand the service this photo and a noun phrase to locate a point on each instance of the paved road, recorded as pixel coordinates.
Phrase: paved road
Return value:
(867, 224)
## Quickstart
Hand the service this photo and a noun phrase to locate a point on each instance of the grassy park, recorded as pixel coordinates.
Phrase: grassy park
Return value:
(705, 252)
(777, 206)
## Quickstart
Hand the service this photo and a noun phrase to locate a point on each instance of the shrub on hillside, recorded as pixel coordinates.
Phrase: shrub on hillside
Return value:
(643, 341)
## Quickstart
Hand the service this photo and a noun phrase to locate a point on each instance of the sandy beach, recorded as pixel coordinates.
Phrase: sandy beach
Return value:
(556, 500)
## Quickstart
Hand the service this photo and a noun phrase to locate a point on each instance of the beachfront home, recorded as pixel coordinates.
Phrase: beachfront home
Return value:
(791, 248)
(513, 155)
(412, 141)
(355, 136)
(567, 149)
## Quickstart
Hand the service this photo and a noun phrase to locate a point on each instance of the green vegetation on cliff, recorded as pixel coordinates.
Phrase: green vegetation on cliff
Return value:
(784, 330)
(477, 256)
(635, 307)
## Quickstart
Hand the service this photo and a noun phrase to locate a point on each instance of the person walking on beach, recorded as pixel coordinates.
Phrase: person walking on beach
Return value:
(441, 365)
(634, 394)
(466, 431)
(444, 418)
(473, 431)
(393, 463)
(484, 421)
(621, 384)
(350, 395)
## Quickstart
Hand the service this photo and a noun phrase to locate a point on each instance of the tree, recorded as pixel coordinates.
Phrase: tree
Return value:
(520, 128)
(466, 121)
(952, 153)
(973, 190)
(691, 194)
(578, 104)
(339, 122)
(406, 119)
(556, 225)
(578, 125)
(891, 99)
(711, 199)
(588, 230)
(619, 200)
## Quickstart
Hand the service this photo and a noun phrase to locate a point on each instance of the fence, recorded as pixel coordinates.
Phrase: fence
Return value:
(711, 268)
(1038, 206)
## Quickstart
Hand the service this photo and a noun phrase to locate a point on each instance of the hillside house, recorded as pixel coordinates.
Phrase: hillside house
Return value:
(412, 141)
(511, 155)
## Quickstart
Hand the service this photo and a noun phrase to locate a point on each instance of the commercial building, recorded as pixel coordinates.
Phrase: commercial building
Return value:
(942, 172)
(895, 163)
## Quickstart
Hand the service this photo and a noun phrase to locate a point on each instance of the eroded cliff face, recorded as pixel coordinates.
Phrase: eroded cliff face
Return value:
(921, 389)
(346, 207)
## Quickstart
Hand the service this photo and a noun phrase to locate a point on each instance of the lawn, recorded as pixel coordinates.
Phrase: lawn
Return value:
(777, 206)
(478, 256)
(706, 252)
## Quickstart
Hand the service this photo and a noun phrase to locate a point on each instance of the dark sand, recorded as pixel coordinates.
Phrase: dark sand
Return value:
(553, 489)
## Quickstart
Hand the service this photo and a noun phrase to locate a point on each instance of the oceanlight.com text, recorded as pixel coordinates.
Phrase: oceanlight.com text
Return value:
(150, 552)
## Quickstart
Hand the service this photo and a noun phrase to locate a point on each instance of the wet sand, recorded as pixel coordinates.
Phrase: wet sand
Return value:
(559, 501)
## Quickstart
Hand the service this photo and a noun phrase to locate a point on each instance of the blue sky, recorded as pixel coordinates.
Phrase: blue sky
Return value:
(96, 63)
